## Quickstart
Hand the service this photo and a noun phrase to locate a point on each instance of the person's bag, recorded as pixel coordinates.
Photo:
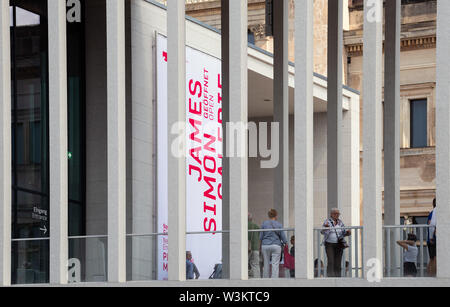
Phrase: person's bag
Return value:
(342, 244)
(289, 261)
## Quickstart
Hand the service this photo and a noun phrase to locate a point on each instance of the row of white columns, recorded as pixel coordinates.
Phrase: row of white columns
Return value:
(234, 52)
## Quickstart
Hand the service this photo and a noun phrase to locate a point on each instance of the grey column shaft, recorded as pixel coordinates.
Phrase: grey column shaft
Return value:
(443, 139)
(176, 49)
(372, 127)
(238, 159)
(281, 106)
(304, 139)
(59, 196)
(225, 24)
(115, 21)
(334, 128)
(5, 145)
(392, 120)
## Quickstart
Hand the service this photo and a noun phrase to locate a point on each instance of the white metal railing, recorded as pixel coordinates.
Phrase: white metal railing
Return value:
(393, 254)
(187, 1)
(352, 258)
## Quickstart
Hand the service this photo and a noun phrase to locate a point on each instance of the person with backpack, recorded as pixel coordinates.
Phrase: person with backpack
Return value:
(272, 243)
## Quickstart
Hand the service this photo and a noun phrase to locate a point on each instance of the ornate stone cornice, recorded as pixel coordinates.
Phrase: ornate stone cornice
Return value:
(416, 43)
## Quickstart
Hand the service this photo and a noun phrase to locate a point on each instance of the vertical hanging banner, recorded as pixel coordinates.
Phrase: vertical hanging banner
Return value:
(203, 159)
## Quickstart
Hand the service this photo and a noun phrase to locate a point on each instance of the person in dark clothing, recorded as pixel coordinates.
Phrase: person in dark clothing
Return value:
(292, 252)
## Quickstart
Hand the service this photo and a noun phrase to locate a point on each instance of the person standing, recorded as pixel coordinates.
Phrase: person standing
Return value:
(253, 248)
(431, 241)
(292, 253)
(271, 244)
(191, 269)
(334, 240)
(410, 255)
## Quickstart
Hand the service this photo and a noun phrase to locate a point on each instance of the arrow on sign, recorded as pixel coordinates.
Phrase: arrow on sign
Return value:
(44, 229)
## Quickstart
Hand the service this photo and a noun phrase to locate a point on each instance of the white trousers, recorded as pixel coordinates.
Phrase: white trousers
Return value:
(271, 252)
(255, 270)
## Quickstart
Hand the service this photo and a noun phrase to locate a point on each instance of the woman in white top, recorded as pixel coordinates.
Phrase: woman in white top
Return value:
(335, 233)
(410, 255)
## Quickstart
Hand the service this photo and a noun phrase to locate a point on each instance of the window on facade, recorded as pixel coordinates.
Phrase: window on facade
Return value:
(419, 123)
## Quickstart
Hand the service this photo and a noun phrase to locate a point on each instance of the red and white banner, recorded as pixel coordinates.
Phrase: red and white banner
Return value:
(203, 161)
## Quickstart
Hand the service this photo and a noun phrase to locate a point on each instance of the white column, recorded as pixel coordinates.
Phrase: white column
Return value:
(238, 162)
(5, 146)
(304, 139)
(443, 139)
(372, 127)
(59, 249)
(281, 106)
(115, 23)
(225, 25)
(392, 121)
(176, 35)
(334, 128)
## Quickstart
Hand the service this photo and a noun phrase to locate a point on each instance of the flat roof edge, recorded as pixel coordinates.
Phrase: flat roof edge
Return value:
(252, 46)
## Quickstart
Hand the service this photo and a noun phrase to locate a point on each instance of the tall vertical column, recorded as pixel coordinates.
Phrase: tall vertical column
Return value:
(281, 106)
(59, 195)
(176, 109)
(5, 145)
(334, 128)
(235, 138)
(225, 21)
(392, 120)
(372, 127)
(304, 139)
(443, 139)
(115, 27)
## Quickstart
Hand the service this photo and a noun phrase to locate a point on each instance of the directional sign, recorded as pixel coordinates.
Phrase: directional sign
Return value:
(44, 229)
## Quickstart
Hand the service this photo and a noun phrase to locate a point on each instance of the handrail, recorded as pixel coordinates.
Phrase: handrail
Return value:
(88, 237)
(346, 227)
(30, 239)
(407, 226)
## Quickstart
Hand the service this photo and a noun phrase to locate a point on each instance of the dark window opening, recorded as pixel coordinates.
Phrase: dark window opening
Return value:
(419, 123)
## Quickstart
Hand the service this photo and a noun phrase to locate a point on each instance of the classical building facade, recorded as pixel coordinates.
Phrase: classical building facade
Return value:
(418, 96)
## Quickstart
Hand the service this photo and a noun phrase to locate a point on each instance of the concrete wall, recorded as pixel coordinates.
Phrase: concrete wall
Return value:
(261, 180)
